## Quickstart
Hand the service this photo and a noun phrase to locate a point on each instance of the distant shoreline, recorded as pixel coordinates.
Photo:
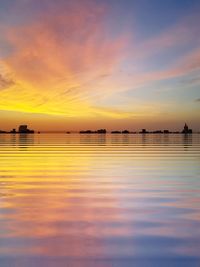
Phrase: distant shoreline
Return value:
(23, 129)
(94, 133)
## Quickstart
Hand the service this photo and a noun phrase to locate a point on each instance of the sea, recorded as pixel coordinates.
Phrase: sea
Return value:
(99, 200)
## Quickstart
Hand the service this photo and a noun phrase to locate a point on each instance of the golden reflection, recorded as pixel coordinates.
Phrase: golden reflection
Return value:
(68, 195)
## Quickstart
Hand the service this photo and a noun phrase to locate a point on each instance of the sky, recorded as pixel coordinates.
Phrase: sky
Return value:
(89, 64)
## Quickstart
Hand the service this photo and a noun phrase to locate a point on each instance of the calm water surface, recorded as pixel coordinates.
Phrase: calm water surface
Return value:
(99, 200)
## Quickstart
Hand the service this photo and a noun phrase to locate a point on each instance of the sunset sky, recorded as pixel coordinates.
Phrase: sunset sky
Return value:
(71, 65)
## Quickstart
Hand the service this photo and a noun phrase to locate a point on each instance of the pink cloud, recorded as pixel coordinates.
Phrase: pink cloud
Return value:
(64, 43)
(184, 66)
(187, 65)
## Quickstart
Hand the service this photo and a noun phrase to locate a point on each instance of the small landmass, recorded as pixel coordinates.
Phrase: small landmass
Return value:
(22, 129)
(100, 131)
(185, 130)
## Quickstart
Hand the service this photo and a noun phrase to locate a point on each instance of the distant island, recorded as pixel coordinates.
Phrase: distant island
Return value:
(24, 129)
(21, 129)
(100, 131)
(185, 130)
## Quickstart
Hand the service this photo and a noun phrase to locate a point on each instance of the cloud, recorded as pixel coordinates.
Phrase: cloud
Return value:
(197, 100)
(184, 66)
(179, 35)
(64, 44)
(61, 55)
(183, 36)
(5, 82)
(187, 67)
(66, 60)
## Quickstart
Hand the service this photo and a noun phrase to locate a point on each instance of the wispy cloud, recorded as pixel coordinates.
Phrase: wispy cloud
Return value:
(66, 59)
(59, 55)
(179, 35)
(5, 82)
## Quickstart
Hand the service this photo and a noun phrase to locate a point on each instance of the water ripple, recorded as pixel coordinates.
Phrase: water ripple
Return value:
(99, 200)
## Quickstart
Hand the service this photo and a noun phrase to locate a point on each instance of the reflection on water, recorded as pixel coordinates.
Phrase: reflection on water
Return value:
(99, 200)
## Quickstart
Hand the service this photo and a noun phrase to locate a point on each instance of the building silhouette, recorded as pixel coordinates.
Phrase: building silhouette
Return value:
(100, 131)
(186, 129)
(144, 131)
(24, 129)
(125, 132)
(116, 132)
(13, 130)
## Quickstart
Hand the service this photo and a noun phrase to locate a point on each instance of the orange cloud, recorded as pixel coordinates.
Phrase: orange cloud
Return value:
(56, 58)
